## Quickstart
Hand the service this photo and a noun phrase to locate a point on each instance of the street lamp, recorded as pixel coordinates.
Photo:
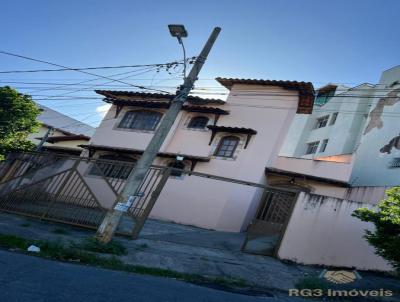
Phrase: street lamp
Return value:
(179, 31)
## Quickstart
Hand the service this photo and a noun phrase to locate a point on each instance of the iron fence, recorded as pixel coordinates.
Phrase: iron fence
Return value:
(71, 189)
(19, 164)
(80, 191)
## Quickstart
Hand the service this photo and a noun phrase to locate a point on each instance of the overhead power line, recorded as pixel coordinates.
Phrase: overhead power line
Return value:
(93, 80)
(81, 71)
(202, 89)
(92, 86)
(90, 68)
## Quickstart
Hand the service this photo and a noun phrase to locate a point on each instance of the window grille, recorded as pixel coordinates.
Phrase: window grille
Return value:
(198, 122)
(323, 145)
(322, 122)
(227, 146)
(395, 163)
(333, 119)
(312, 147)
(105, 167)
(141, 120)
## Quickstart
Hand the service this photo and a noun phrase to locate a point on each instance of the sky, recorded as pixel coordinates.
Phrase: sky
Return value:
(348, 42)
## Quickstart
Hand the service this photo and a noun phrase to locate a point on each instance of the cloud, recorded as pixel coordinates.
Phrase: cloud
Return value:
(102, 110)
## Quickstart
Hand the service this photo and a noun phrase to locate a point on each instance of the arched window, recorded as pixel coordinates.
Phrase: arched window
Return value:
(198, 122)
(178, 165)
(141, 120)
(104, 166)
(227, 146)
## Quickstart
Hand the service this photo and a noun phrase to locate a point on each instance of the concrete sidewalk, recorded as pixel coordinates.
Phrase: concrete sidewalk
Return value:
(176, 247)
(33, 279)
(181, 234)
(192, 250)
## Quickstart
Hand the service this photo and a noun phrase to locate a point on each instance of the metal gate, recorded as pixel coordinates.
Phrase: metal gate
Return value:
(74, 190)
(19, 164)
(266, 230)
(61, 196)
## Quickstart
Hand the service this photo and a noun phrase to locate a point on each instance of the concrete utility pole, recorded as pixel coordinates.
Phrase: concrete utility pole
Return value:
(130, 192)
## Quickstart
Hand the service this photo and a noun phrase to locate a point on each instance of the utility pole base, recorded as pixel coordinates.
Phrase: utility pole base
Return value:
(109, 225)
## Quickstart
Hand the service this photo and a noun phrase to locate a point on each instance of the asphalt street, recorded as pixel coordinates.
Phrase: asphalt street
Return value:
(32, 279)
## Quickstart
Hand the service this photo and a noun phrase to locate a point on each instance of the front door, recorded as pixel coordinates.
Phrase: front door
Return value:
(266, 229)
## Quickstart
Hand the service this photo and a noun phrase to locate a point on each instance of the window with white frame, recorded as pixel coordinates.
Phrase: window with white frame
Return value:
(141, 120)
(198, 122)
(312, 147)
(323, 145)
(227, 146)
(321, 122)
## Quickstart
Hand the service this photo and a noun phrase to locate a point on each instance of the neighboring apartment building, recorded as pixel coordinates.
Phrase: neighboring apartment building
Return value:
(377, 159)
(350, 146)
(236, 138)
(65, 133)
(334, 127)
(343, 156)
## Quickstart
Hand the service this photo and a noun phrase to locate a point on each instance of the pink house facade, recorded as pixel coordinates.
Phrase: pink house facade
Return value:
(236, 138)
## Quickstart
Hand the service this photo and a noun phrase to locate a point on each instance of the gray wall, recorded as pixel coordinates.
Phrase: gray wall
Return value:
(372, 166)
(352, 105)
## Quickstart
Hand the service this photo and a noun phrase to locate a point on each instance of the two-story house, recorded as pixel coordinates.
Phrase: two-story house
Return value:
(63, 134)
(236, 138)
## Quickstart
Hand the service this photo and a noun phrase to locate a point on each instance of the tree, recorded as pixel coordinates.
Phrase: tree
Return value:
(18, 115)
(386, 236)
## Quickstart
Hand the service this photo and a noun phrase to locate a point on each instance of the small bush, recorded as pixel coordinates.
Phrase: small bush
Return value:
(94, 245)
(385, 238)
(52, 249)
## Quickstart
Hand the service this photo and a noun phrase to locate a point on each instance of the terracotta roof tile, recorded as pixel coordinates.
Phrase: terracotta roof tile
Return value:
(232, 129)
(60, 138)
(305, 89)
(156, 96)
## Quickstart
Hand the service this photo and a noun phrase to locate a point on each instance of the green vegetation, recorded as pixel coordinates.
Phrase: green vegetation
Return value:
(18, 115)
(94, 245)
(74, 253)
(386, 236)
(11, 241)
